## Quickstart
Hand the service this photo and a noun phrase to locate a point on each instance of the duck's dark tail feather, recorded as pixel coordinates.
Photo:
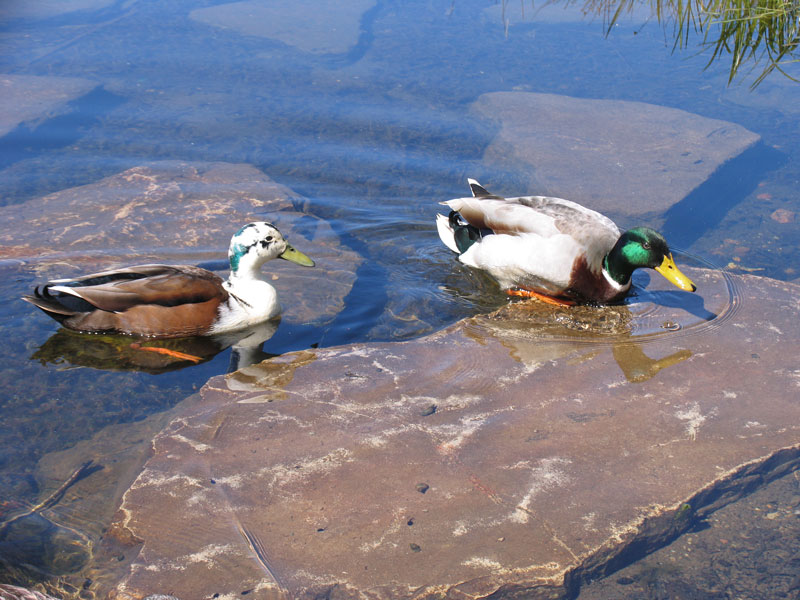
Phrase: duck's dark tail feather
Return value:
(464, 234)
(60, 307)
(478, 191)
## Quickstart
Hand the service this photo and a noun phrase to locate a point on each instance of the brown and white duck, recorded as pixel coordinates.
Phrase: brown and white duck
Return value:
(164, 301)
(551, 248)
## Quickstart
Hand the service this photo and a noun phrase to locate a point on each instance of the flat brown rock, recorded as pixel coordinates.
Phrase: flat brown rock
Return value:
(629, 158)
(179, 213)
(25, 98)
(510, 454)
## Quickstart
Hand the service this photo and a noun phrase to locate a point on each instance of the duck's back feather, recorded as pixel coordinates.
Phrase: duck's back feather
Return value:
(162, 285)
(539, 215)
(150, 300)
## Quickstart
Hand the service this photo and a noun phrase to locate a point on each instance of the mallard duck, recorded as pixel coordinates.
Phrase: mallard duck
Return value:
(551, 248)
(164, 301)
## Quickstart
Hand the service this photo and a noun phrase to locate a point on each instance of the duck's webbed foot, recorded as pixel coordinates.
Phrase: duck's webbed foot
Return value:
(523, 293)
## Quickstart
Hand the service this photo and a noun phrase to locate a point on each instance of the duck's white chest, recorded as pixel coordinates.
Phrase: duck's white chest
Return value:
(249, 303)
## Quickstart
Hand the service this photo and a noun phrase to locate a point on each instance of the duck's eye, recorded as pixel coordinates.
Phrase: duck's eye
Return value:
(646, 245)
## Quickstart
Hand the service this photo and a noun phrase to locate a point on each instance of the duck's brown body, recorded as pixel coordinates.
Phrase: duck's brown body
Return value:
(147, 300)
(163, 301)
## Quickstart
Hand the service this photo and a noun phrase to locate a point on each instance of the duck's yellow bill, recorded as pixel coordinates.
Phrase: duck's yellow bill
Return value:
(296, 257)
(668, 269)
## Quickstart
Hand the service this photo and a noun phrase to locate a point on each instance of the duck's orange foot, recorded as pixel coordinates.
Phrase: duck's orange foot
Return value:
(522, 293)
(168, 352)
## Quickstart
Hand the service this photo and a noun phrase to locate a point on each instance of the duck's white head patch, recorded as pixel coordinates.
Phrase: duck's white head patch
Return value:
(259, 239)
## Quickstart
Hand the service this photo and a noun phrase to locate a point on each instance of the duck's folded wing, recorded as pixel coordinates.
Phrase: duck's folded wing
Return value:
(122, 289)
(539, 215)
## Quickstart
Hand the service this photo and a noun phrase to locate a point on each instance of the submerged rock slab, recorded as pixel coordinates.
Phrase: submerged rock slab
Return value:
(318, 27)
(25, 98)
(179, 213)
(48, 8)
(627, 158)
(493, 457)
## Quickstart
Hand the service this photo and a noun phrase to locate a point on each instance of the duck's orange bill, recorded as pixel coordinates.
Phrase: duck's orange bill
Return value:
(668, 269)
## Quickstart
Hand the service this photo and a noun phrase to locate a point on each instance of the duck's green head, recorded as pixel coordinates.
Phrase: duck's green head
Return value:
(644, 247)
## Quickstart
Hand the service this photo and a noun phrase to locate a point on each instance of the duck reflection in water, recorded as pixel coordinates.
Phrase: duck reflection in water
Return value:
(126, 353)
(181, 314)
(638, 367)
(538, 333)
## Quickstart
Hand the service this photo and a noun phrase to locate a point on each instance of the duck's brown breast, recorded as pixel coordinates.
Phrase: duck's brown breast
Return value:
(588, 284)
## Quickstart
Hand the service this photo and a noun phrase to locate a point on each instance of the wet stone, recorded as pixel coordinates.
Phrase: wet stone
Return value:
(31, 98)
(12, 592)
(634, 158)
(730, 568)
(570, 447)
(326, 27)
(179, 213)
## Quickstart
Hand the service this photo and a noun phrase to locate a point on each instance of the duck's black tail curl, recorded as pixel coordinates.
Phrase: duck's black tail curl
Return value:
(464, 234)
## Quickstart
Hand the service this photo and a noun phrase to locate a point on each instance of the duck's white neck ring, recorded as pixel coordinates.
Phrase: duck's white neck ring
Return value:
(620, 287)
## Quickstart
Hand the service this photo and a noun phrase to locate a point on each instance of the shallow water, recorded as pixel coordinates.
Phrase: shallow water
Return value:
(372, 128)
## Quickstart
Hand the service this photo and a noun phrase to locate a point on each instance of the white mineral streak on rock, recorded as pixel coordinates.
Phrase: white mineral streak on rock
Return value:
(204, 556)
(545, 476)
(694, 419)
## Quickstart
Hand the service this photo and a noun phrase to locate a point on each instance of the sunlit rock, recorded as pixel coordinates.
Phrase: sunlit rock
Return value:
(31, 98)
(626, 158)
(514, 454)
(320, 27)
(179, 213)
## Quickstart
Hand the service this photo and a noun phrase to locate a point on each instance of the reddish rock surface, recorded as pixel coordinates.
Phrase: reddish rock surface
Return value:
(178, 213)
(511, 454)
(627, 158)
(781, 215)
